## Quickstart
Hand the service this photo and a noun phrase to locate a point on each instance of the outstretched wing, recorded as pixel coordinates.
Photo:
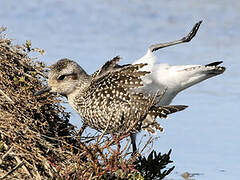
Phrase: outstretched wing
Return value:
(114, 78)
(109, 66)
(109, 99)
(112, 102)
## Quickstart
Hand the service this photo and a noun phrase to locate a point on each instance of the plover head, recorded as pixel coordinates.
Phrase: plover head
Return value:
(64, 77)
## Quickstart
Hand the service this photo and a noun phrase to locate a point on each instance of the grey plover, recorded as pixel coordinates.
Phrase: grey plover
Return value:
(174, 78)
(107, 100)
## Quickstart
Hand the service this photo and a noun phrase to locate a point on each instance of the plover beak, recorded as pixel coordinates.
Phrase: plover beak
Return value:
(46, 89)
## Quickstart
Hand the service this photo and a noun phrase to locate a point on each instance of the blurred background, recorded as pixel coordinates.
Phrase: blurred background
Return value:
(205, 137)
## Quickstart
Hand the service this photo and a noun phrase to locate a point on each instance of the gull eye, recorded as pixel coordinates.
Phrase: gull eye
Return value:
(61, 77)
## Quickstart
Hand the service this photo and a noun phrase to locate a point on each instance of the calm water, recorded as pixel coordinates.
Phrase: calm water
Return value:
(205, 137)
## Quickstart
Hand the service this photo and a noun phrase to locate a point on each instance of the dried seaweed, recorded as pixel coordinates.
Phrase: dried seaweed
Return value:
(38, 142)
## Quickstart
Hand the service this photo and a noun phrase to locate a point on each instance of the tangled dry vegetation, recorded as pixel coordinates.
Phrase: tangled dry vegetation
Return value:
(38, 142)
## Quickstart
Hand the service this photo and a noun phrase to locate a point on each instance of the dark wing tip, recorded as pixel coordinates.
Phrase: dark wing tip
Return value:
(214, 63)
(163, 111)
(181, 107)
(175, 108)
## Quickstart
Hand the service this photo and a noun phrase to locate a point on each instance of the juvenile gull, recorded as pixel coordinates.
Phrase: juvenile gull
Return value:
(174, 78)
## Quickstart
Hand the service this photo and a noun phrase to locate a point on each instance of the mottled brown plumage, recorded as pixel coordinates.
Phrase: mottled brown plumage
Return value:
(107, 100)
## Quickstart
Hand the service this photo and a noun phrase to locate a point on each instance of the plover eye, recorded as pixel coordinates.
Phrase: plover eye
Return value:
(61, 77)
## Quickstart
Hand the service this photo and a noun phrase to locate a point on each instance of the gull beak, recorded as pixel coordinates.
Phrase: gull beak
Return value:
(46, 89)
